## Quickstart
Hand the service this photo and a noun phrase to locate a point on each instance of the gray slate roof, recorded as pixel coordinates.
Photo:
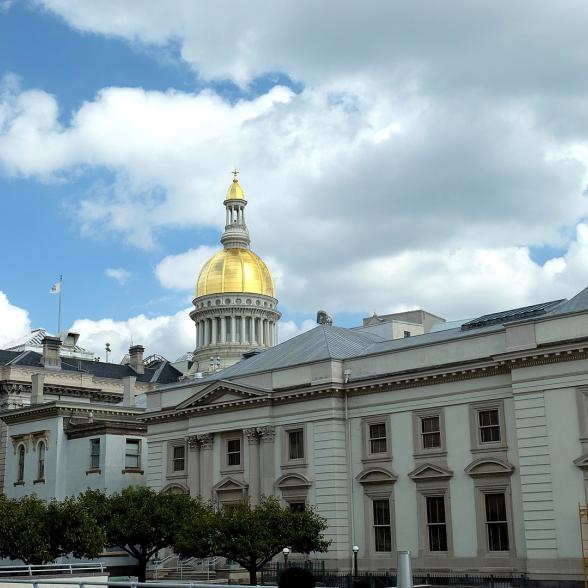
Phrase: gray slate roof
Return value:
(161, 372)
(578, 303)
(321, 343)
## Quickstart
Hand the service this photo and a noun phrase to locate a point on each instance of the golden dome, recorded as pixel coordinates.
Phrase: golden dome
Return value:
(235, 191)
(235, 270)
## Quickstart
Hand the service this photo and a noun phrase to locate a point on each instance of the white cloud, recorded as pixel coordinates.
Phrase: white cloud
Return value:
(179, 272)
(289, 329)
(14, 320)
(170, 336)
(119, 274)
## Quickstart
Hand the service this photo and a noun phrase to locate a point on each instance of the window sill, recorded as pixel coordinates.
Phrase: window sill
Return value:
(40, 481)
(294, 464)
(19, 483)
(93, 471)
(133, 471)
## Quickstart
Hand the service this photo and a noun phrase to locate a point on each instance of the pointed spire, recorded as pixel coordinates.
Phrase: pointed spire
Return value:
(236, 234)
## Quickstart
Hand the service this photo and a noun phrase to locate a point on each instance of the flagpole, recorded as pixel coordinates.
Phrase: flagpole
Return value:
(59, 307)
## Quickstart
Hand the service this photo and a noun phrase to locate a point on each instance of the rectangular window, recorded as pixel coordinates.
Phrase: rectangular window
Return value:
(297, 506)
(377, 434)
(233, 452)
(436, 523)
(94, 454)
(406, 334)
(496, 522)
(489, 426)
(430, 432)
(133, 454)
(296, 444)
(382, 529)
(178, 458)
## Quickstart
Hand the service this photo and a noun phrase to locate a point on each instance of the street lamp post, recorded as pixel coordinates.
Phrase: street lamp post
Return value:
(355, 552)
(286, 552)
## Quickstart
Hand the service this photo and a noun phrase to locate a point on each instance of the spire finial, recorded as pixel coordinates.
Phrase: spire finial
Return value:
(235, 173)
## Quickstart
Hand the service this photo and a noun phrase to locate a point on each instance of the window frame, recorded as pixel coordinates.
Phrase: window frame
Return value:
(226, 467)
(95, 442)
(171, 447)
(366, 424)
(137, 442)
(285, 441)
(477, 445)
(41, 461)
(427, 489)
(21, 452)
(417, 435)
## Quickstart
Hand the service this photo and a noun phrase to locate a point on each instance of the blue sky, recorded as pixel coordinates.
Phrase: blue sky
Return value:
(386, 168)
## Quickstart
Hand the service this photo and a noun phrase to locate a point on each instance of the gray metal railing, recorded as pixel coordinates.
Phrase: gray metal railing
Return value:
(58, 568)
(38, 583)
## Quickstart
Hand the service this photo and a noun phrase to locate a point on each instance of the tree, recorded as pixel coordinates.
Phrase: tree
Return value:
(139, 520)
(37, 532)
(253, 535)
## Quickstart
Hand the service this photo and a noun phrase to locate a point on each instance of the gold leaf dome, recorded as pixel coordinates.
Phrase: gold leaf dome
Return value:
(235, 270)
(235, 192)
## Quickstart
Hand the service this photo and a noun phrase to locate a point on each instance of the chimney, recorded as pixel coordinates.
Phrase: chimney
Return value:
(136, 358)
(51, 358)
(129, 390)
(37, 388)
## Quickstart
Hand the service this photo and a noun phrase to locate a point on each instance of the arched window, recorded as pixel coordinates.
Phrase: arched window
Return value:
(41, 460)
(21, 464)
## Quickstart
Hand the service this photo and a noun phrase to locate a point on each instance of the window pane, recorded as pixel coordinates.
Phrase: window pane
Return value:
(489, 425)
(382, 530)
(297, 506)
(234, 452)
(496, 522)
(132, 454)
(296, 444)
(436, 523)
(377, 434)
(430, 424)
(179, 452)
(94, 454)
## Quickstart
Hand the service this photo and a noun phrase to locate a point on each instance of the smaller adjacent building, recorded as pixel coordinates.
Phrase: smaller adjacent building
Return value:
(61, 448)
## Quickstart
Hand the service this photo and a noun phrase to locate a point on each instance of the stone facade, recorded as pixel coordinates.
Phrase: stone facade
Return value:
(467, 446)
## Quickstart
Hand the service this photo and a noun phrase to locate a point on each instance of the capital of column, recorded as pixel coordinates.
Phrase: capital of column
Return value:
(202, 441)
(267, 433)
(252, 435)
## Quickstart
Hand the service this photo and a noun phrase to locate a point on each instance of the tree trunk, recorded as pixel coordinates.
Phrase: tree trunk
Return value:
(253, 576)
(141, 569)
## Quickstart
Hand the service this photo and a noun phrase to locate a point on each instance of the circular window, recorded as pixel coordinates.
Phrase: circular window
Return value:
(257, 302)
(265, 303)
(227, 301)
(248, 301)
(238, 301)
(217, 301)
(209, 303)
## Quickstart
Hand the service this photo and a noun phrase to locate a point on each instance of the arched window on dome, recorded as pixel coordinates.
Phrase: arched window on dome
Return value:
(20, 464)
(41, 461)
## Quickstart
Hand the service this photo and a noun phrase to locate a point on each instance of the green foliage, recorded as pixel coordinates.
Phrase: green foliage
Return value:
(139, 520)
(253, 535)
(38, 532)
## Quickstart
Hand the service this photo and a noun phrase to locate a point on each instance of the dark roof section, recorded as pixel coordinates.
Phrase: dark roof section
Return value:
(499, 318)
(319, 344)
(579, 303)
(161, 372)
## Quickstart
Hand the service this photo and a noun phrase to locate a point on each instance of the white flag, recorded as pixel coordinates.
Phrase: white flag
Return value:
(56, 288)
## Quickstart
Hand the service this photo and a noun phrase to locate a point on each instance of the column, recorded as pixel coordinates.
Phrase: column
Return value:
(242, 329)
(254, 472)
(214, 330)
(233, 329)
(267, 473)
(228, 218)
(223, 322)
(206, 331)
(194, 466)
(206, 443)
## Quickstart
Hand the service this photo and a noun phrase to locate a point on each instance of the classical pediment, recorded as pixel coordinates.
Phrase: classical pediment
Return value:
(582, 462)
(430, 471)
(376, 476)
(219, 393)
(230, 485)
(292, 481)
(489, 466)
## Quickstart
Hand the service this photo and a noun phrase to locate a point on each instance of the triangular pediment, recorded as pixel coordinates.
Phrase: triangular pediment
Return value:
(376, 476)
(430, 471)
(489, 466)
(229, 485)
(582, 462)
(219, 393)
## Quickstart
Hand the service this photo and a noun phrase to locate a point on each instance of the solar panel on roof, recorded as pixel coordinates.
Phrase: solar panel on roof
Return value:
(510, 315)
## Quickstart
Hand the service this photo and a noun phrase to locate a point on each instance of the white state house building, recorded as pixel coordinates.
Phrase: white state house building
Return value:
(466, 444)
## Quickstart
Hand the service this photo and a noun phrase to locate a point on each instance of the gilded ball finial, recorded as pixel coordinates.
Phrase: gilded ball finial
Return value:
(235, 173)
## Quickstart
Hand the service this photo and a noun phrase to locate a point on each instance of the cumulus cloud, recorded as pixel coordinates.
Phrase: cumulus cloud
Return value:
(119, 274)
(178, 272)
(170, 336)
(14, 321)
(289, 329)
